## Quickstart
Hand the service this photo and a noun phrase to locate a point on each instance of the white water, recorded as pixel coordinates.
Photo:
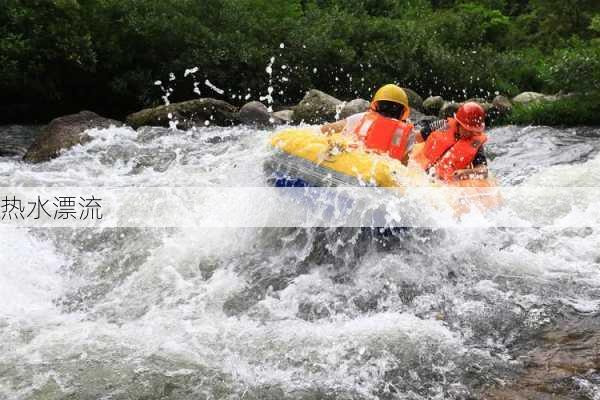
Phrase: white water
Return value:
(283, 313)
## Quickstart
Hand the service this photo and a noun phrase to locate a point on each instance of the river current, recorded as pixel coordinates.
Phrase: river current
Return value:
(284, 313)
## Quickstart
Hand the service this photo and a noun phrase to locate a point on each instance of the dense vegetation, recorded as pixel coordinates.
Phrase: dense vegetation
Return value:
(58, 56)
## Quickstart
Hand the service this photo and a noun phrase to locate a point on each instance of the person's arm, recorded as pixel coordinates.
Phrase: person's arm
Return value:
(428, 128)
(334, 127)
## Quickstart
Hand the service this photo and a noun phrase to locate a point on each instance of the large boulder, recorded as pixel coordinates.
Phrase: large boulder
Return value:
(317, 107)
(501, 105)
(433, 104)
(255, 113)
(187, 114)
(355, 106)
(65, 132)
(482, 102)
(448, 109)
(414, 99)
(285, 116)
(478, 100)
(16, 139)
(418, 118)
(532, 97)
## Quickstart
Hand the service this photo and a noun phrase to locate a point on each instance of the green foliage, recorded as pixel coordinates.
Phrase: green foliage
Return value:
(471, 25)
(595, 24)
(576, 68)
(60, 56)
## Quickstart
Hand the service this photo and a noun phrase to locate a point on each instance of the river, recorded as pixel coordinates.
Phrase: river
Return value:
(292, 313)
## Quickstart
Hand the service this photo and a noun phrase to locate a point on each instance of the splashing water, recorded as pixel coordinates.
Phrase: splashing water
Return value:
(281, 313)
(213, 87)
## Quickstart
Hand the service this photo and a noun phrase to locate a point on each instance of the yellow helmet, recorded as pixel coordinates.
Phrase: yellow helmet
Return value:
(393, 93)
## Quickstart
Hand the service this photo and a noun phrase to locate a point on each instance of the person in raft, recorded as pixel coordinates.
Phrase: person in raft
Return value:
(452, 149)
(384, 127)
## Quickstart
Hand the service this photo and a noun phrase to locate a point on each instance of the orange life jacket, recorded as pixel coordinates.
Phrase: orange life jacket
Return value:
(446, 152)
(386, 135)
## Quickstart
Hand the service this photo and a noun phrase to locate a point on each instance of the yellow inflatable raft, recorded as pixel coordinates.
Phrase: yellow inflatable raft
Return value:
(306, 157)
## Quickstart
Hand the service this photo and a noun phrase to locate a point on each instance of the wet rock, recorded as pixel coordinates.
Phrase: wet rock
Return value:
(482, 102)
(16, 139)
(414, 99)
(418, 118)
(501, 105)
(310, 311)
(566, 362)
(486, 106)
(285, 116)
(448, 109)
(564, 95)
(531, 97)
(147, 134)
(208, 267)
(316, 108)
(12, 152)
(255, 113)
(355, 106)
(159, 161)
(433, 104)
(478, 100)
(187, 114)
(65, 132)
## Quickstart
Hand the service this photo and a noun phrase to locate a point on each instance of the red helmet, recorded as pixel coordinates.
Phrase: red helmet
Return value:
(471, 116)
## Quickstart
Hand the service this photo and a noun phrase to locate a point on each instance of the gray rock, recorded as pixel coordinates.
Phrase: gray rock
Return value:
(355, 106)
(417, 118)
(187, 114)
(16, 139)
(414, 99)
(286, 116)
(448, 109)
(147, 134)
(502, 104)
(65, 132)
(482, 102)
(478, 100)
(316, 108)
(530, 97)
(564, 95)
(159, 161)
(433, 104)
(255, 113)
(486, 106)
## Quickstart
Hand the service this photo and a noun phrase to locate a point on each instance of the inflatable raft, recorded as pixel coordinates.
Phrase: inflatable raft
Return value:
(305, 157)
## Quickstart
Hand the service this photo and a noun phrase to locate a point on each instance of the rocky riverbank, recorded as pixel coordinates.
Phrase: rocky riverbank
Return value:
(316, 107)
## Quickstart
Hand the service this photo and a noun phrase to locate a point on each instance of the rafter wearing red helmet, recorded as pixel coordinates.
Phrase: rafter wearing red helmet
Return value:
(453, 149)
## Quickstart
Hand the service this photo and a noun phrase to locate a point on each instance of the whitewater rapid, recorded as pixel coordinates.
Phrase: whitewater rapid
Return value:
(285, 313)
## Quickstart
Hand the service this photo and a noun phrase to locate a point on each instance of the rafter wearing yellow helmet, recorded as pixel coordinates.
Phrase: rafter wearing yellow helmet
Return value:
(383, 128)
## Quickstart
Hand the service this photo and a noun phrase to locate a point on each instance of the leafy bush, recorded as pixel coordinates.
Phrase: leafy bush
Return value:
(576, 68)
(55, 53)
(575, 110)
